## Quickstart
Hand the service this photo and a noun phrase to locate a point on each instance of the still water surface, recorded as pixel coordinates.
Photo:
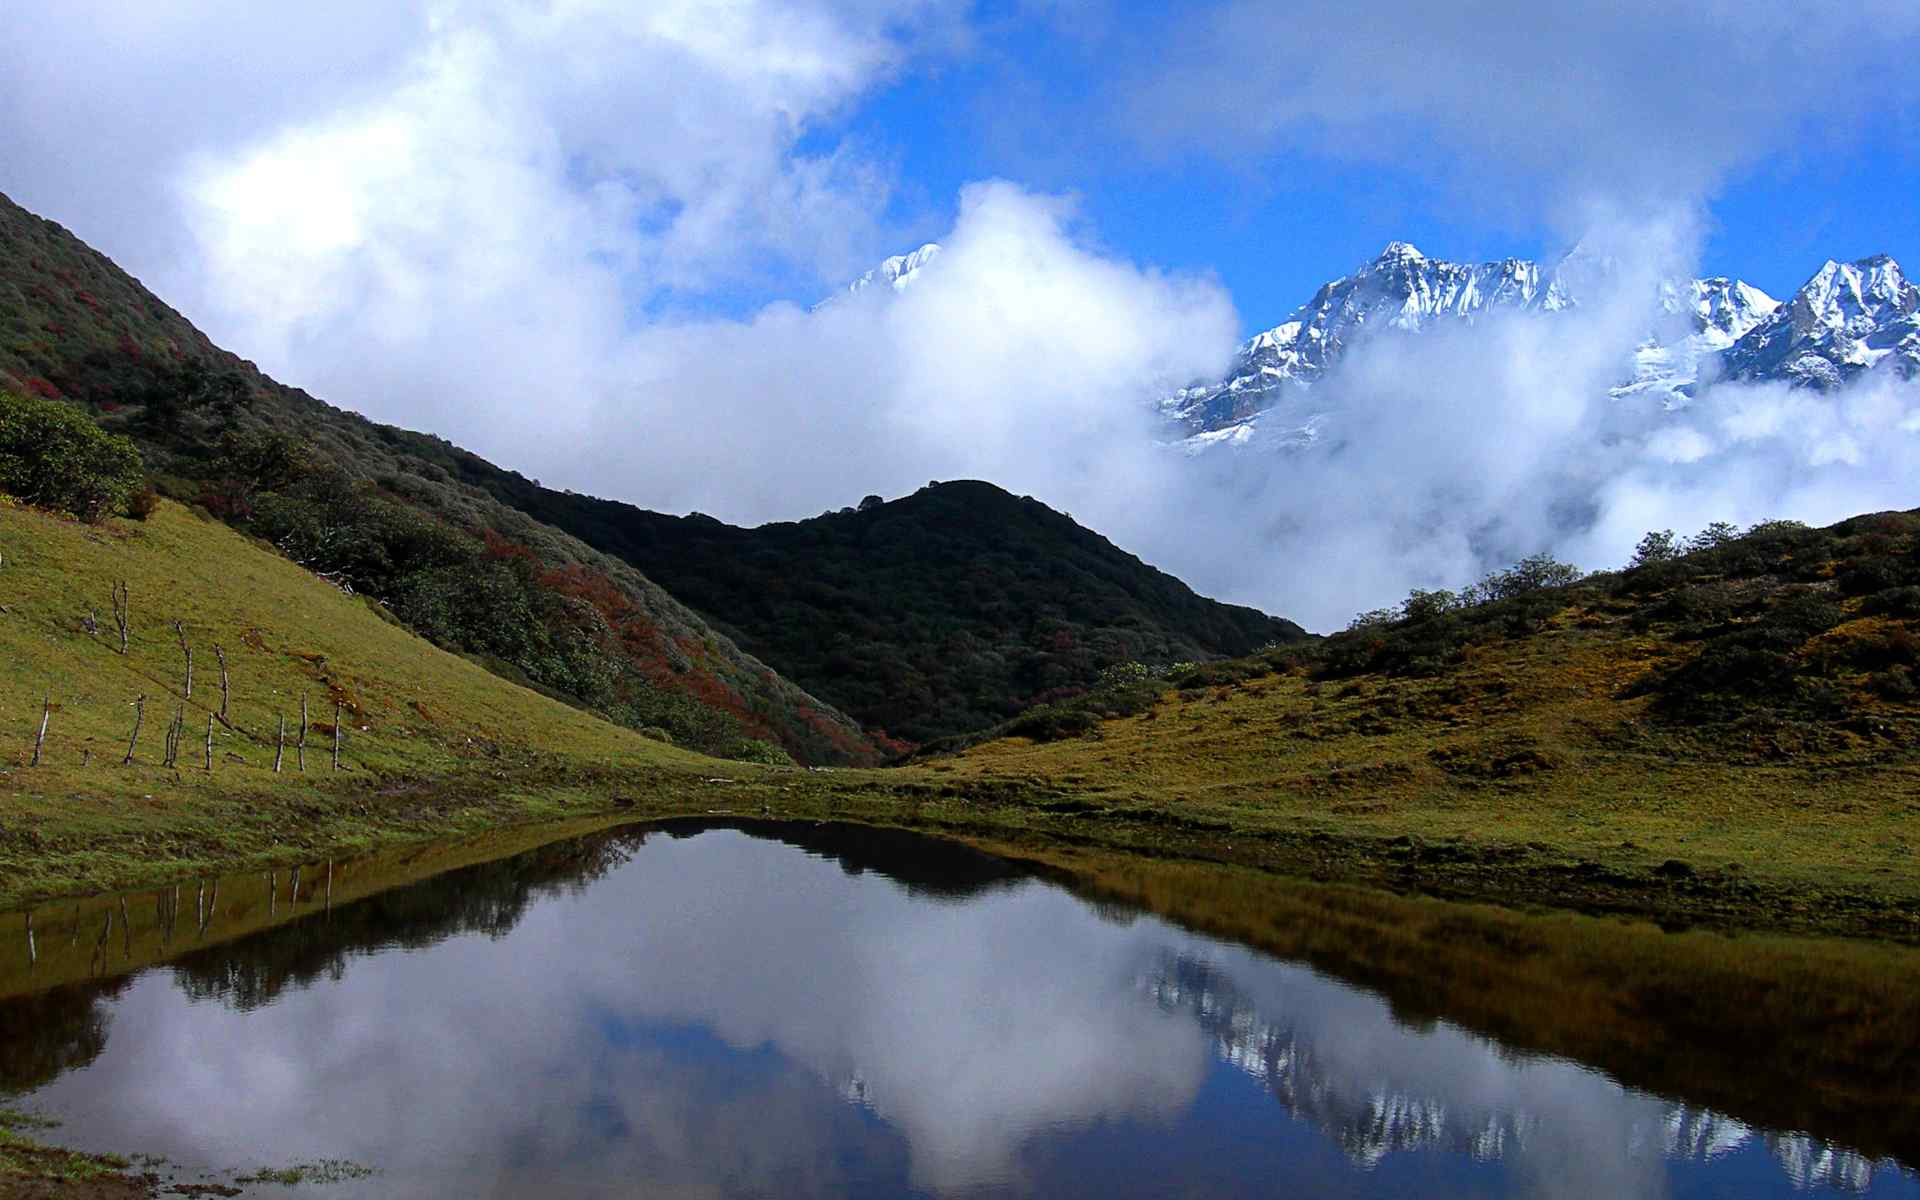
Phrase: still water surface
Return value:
(714, 1013)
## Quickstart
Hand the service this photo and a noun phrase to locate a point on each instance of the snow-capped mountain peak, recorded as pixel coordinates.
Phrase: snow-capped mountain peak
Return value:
(1399, 252)
(897, 272)
(1401, 289)
(1847, 319)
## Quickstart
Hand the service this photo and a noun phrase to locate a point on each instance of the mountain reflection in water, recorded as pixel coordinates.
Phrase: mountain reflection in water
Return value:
(831, 1012)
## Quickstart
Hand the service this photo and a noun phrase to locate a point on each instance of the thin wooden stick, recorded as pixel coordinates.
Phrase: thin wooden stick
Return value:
(139, 714)
(209, 743)
(187, 652)
(336, 735)
(122, 611)
(46, 714)
(300, 748)
(280, 747)
(222, 656)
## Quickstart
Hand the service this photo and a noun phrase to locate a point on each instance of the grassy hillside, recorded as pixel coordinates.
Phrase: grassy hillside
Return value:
(1705, 732)
(935, 614)
(431, 741)
(218, 433)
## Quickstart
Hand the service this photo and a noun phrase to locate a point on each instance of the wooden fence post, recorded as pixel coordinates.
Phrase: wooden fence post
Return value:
(209, 743)
(300, 748)
(222, 656)
(186, 652)
(336, 735)
(122, 611)
(139, 714)
(280, 747)
(46, 714)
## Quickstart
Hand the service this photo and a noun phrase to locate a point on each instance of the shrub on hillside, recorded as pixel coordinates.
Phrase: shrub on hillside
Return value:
(1894, 602)
(755, 750)
(1757, 665)
(1865, 576)
(1534, 573)
(52, 455)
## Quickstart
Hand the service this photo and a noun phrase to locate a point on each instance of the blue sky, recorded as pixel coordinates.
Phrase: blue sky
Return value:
(1276, 222)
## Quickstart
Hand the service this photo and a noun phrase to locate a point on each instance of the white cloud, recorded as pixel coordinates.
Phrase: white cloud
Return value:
(1026, 358)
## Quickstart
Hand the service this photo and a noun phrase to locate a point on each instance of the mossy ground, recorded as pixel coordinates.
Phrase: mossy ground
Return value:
(29, 1167)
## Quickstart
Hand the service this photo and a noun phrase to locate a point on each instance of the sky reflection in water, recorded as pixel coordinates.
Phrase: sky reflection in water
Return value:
(721, 1015)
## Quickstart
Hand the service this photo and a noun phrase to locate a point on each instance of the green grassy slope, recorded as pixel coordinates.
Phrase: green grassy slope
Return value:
(414, 717)
(1735, 726)
(75, 326)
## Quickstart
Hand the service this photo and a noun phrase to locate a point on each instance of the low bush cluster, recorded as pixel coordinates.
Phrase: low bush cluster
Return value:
(1771, 609)
(53, 456)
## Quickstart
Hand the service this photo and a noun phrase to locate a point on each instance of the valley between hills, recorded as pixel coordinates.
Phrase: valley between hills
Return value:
(1722, 734)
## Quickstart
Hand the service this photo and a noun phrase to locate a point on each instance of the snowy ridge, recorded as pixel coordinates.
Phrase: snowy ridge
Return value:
(1848, 319)
(897, 272)
(1404, 291)
(1401, 290)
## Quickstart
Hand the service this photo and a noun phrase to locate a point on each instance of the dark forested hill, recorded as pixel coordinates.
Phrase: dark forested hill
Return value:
(939, 613)
(375, 510)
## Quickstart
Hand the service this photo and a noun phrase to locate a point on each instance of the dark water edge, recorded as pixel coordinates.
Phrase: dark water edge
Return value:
(1766, 1063)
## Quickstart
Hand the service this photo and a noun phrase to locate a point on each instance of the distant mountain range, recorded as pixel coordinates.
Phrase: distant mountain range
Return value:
(1847, 320)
